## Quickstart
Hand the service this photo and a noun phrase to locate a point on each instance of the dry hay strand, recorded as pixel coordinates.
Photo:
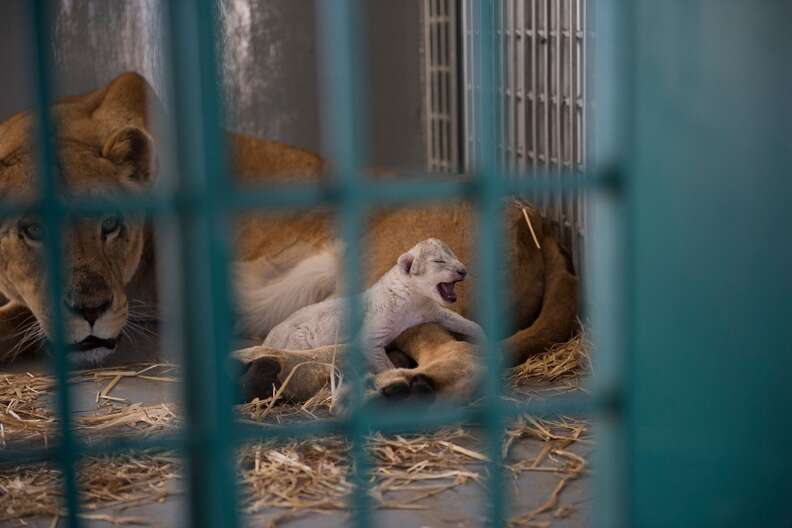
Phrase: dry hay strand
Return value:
(261, 411)
(309, 474)
(554, 457)
(306, 475)
(314, 474)
(23, 412)
(135, 419)
(299, 476)
(104, 482)
(25, 415)
(565, 361)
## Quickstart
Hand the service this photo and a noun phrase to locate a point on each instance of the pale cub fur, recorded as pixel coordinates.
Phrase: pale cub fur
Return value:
(411, 293)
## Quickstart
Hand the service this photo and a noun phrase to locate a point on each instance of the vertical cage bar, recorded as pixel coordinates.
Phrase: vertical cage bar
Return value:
(467, 116)
(441, 70)
(205, 309)
(470, 85)
(453, 76)
(571, 200)
(569, 100)
(583, 105)
(607, 260)
(506, 87)
(52, 216)
(432, 82)
(474, 92)
(557, 121)
(428, 80)
(342, 133)
(545, 96)
(513, 94)
(521, 113)
(534, 86)
(442, 74)
(489, 183)
(438, 84)
(500, 83)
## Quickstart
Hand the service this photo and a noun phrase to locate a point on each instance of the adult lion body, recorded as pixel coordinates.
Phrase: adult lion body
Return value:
(105, 148)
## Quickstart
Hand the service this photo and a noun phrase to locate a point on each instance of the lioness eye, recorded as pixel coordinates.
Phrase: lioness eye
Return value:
(31, 230)
(111, 224)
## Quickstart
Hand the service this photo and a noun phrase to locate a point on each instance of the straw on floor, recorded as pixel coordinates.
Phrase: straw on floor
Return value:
(297, 476)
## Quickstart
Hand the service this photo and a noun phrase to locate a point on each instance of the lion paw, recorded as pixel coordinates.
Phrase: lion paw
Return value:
(404, 384)
(392, 386)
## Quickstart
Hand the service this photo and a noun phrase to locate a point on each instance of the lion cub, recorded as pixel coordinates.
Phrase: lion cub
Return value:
(411, 293)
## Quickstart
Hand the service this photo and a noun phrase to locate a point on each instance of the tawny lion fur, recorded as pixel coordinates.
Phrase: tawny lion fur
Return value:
(105, 146)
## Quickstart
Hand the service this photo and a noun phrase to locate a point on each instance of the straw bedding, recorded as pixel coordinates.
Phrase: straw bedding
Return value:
(297, 476)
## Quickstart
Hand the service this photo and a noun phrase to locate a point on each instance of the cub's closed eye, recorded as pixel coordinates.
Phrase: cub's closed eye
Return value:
(437, 261)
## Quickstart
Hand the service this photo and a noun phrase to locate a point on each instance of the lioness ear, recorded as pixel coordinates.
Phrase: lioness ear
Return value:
(405, 263)
(131, 145)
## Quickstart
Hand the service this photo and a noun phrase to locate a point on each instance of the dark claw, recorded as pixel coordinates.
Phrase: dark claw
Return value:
(422, 386)
(400, 359)
(396, 391)
(259, 378)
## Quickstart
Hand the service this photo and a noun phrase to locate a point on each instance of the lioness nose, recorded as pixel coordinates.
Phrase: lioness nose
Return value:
(89, 313)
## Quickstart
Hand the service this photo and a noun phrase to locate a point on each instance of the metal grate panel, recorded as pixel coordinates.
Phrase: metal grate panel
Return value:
(441, 89)
(541, 94)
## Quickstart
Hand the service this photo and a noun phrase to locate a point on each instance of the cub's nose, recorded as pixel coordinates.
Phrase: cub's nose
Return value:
(89, 312)
(462, 272)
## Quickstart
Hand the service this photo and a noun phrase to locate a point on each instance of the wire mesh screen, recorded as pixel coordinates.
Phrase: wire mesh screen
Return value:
(541, 91)
(441, 73)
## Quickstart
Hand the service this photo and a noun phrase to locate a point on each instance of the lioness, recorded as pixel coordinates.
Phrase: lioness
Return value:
(283, 262)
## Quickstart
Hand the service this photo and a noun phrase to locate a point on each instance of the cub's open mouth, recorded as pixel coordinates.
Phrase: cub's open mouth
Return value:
(446, 291)
(92, 342)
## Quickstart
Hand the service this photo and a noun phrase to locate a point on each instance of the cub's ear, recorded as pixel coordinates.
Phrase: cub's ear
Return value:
(409, 264)
(132, 145)
(405, 263)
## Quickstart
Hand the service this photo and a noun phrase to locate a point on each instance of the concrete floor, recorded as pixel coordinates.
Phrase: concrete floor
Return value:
(461, 506)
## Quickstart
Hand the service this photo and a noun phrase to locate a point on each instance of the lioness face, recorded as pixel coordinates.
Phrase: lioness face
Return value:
(100, 253)
(434, 270)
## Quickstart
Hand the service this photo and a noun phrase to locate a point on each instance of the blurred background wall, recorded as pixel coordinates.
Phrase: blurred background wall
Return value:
(14, 92)
(269, 64)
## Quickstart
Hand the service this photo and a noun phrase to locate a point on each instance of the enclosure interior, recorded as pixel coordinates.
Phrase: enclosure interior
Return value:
(419, 112)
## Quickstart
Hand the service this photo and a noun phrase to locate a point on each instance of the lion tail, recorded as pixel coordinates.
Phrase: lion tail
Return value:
(558, 319)
(264, 302)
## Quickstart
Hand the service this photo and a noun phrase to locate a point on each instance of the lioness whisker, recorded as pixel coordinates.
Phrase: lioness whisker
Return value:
(140, 329)
(31, 335)
(128, 334)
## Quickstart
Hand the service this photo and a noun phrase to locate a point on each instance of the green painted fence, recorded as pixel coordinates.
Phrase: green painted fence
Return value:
(689, 292)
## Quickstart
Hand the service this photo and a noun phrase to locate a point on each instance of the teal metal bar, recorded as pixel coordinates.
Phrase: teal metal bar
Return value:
(490, 187)
(52, 216)
(206, 337)
(610, 281)
(709, 384)
(380, 418)
(398, 189)
(342, 63)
